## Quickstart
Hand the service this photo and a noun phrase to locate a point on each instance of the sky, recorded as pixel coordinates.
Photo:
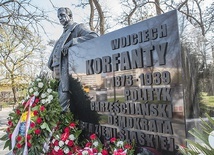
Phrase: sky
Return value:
(79, 14)
(54, 31)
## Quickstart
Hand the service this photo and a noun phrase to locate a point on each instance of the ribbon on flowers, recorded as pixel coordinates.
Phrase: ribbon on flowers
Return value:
(16, 130)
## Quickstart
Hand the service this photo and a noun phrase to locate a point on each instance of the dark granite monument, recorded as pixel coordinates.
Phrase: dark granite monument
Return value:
(149, 78)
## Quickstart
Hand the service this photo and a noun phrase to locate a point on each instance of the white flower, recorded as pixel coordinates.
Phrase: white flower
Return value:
(30, 90)
(40, 84)
(119, 144)
(43, 95)
(38, 79)
(48, 101)
(71, 137)
(66, 150)
(50, 97)
(84, 152)
(53, 140)
(42, 101)
(95, 143)
(61, 143)
(56, 148)
(49, 90)
(35, 88)
(66, 142)
(36, 93)
(27, 97)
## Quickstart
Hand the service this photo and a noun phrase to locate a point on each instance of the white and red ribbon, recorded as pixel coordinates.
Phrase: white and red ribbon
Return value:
(27, 125)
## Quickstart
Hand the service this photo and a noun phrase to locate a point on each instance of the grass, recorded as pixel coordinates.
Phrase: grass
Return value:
(207, 100)
(6, 104)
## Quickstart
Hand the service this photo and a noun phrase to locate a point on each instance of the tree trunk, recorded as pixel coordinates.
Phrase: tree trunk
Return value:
(13, 90)
(157, 6)
(101, 15)
(14, 95)
(91, 18)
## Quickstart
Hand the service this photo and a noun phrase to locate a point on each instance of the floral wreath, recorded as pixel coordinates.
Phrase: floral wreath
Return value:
(33, 120)
(38, 126)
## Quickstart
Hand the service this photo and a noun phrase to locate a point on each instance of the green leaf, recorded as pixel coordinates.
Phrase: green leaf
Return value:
(35, 108)
(4, 138)
(7, 144)
(45, 126)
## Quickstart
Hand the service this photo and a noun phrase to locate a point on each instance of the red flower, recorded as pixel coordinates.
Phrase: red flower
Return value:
(37, 131)
(19, 138)
(120, 150)
(32, 125)
(67, 130)
(42, 108)
(64, 136)
(10, 135)
(39, 120)
(88, 144)
(34, 104)
(75, 148)
(104, 152)
(93, 137)
(29, 137)
(24, 103)
(69, 153)
(35, 113)
(10, 123)
(36, 100)
(70, 143)
(29, 144)
(8, 129)
(128, 146)
(18, 112)
(56, 143)
(95, 150)
(113, 140)
(53, 152)
(72, 125)
(60, 152)
(18, 145)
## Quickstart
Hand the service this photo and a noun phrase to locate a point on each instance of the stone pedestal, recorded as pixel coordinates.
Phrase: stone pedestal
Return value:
(152, 72)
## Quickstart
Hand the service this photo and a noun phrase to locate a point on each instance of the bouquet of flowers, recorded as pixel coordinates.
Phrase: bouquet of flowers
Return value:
(119, 147)
(65, 142)
(32, 122)
(93, 147)
(115, 147)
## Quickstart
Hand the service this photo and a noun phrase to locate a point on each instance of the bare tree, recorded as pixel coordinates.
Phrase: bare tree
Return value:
(16, 13)
(135, 11)
(17, 47)
(97, 16)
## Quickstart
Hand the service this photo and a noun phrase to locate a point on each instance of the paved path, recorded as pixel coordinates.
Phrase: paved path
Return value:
(4, 114)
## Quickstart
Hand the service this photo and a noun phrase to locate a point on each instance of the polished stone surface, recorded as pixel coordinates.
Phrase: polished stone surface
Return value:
(152, 74)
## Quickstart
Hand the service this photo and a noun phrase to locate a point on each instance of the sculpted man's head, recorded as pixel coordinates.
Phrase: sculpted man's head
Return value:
(64, 15)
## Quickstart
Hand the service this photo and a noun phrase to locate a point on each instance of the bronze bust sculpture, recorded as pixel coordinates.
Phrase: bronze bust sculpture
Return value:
(58, 62)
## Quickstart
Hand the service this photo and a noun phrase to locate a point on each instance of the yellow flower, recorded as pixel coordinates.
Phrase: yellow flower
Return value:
(24, 116)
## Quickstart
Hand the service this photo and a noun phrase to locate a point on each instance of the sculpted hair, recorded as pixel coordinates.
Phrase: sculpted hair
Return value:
(67, 10)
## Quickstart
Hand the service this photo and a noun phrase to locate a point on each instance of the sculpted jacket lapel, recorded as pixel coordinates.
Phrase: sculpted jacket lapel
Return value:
(64, 60)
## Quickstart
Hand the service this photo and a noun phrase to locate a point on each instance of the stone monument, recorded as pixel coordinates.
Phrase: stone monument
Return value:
(150, 75)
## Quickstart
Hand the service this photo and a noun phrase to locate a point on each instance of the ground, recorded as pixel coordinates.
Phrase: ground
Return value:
(3, 121)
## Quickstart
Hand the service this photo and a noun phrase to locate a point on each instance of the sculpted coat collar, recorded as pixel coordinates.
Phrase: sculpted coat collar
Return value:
(70, 25)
